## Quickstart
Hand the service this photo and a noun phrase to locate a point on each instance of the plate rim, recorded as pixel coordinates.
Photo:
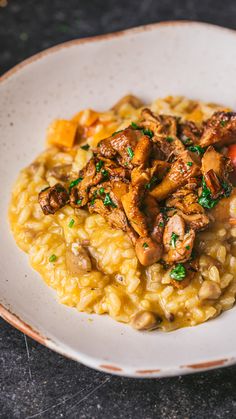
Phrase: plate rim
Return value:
(14, 320)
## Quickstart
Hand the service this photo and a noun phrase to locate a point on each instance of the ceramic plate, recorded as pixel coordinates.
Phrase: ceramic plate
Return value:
(179, 58)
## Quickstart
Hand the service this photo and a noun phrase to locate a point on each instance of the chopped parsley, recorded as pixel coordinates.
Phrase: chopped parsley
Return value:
(52, 258)
(187, 247)
(105, 173)
(178, 273)
(169, 139)
(134, 125)
(205, 199)
(227, 189)
(94, 196)
(71, 223)
(85, 147)
(189, 163)
(174, 238)
(223, 123)
(116, 132)
(151, 183)
(130, 152)
(108, 201)
(78, 202)
(186, 140)
(161, 224)
(197, 149)
(99, 165)
(148, 132)
(101, 191)
(145, 245)
(75, 182)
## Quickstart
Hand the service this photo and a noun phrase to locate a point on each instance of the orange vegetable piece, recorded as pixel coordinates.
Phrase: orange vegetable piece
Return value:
(86, 118)
(62, 133)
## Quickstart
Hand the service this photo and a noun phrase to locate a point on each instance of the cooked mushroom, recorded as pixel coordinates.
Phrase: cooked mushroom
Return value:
(220, 129)
(180, 172)
(52, 199)
(60, 172)
(177, 243)
(78, 260)
(132, 202)
(145, 320)
(148, 251)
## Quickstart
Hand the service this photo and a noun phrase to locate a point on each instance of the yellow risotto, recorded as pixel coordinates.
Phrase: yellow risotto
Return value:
(117, 284)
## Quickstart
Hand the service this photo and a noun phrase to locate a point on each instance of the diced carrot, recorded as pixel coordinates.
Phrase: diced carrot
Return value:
(86, 118)
(232, 221)
(77, 116)
(62, 133)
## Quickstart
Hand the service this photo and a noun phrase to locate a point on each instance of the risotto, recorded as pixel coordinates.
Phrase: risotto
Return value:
(113, 278)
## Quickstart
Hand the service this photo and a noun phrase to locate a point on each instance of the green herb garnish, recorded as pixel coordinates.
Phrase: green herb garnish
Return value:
(78, 202)
(71, 223)
(169, 139)
(187, 247)
(145, 245)
(105, 173)
(108, 201)
(116, 132)
(174, 238)
(130, 152)
(85, 147)
(223, 123)
(186, 140)
(134, 125)
(178, 273)
(75, 182)
(205, 199)
(101, 191)
(148, 132)
(161, 224)
(151, 183)
(197, 149)
(189, 163)
(227, 189)
(52, 258)
(99, 165)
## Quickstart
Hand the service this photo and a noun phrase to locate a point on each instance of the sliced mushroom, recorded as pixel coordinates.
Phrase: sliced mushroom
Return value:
(177, 243)
(52, 199)
(145, 320)
(179, 174)
(209, 291)
(60, 172)
(148, 251)
(78, 260)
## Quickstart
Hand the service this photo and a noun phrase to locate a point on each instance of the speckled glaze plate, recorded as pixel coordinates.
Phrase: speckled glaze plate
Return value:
(187, 58)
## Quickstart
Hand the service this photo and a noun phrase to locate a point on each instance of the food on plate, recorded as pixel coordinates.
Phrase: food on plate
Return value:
(132, 211)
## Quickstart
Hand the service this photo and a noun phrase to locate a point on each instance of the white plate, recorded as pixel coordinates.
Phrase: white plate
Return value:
(186, 58)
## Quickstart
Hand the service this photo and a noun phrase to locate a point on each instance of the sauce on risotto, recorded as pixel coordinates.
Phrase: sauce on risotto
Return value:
(132, 212)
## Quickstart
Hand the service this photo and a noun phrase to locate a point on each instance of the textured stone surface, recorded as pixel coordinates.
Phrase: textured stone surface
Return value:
(34, 381)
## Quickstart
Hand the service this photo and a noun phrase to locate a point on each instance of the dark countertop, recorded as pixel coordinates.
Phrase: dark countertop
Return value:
(34, 381)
